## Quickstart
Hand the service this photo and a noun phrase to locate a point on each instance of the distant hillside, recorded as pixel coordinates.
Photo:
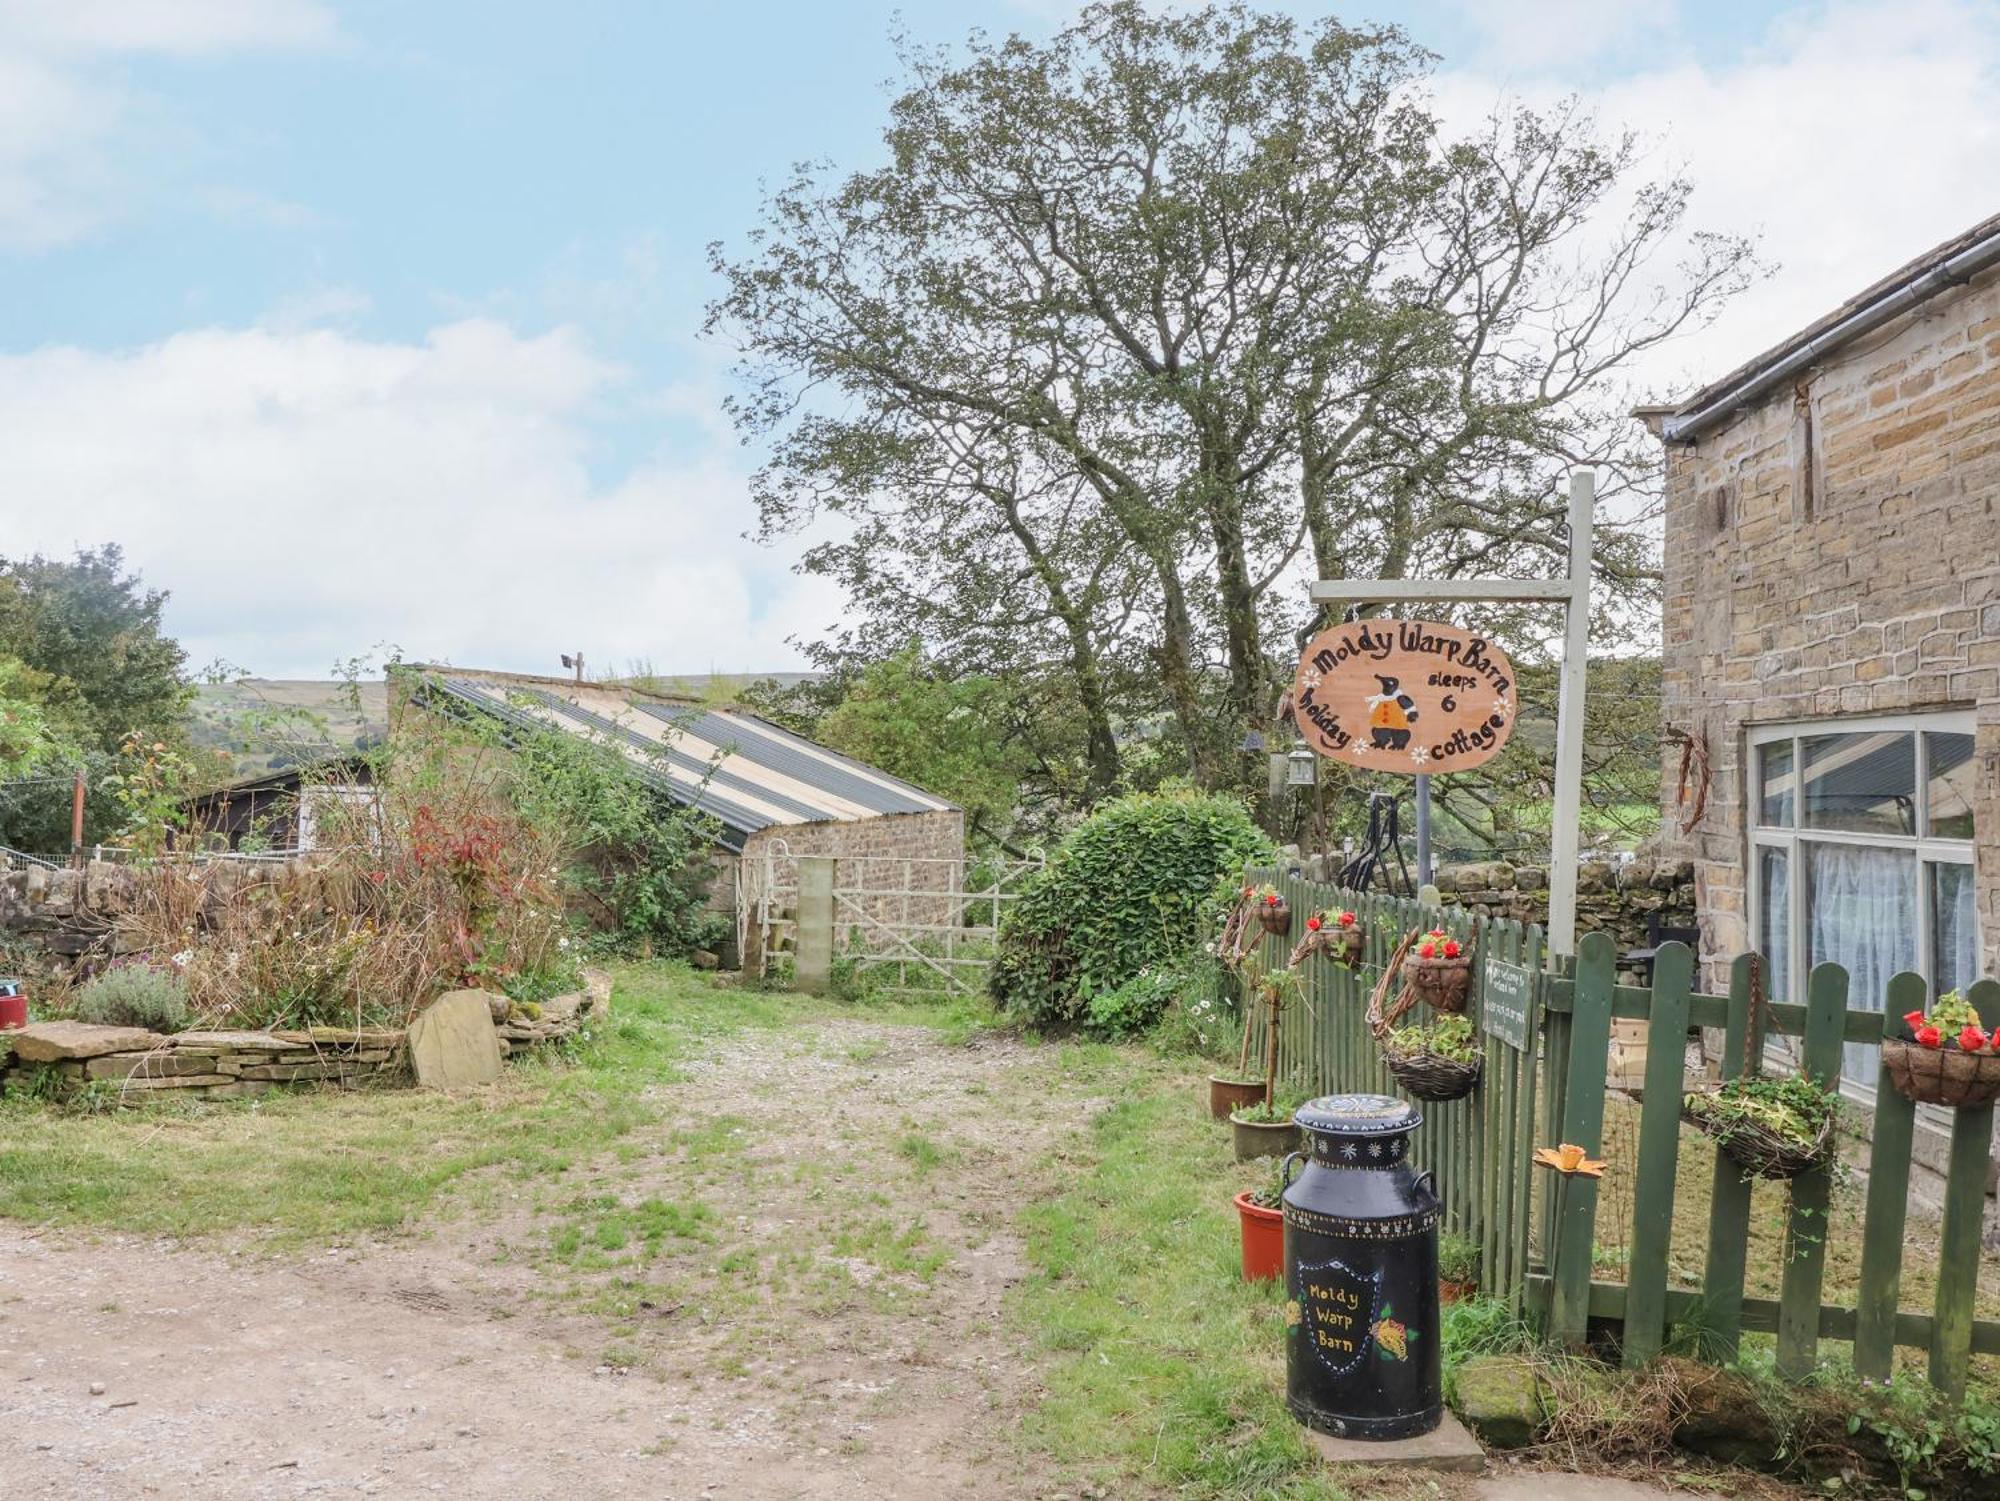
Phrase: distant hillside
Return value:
(269, 723)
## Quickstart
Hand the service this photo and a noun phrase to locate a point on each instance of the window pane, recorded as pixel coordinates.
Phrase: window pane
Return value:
(1954, 928)
(1774, 919)
(1948, 764)
(1775, 793)
(1865, 783)
(1861, 913)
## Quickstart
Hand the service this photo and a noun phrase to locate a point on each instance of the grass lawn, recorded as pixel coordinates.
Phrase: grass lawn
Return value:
(315, 1166)
(1162, 1364)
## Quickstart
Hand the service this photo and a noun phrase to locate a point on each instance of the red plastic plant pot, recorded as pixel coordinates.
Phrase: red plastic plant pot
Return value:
(13, 1012)
(1263, 1240)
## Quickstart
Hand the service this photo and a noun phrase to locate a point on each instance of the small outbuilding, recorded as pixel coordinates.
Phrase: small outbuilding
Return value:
(775, 796)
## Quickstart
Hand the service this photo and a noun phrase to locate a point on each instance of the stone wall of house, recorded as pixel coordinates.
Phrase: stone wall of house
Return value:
(1833, 552)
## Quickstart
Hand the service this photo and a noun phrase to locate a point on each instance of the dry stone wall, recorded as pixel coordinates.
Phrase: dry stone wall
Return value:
(66, 1059)
(1622, 899)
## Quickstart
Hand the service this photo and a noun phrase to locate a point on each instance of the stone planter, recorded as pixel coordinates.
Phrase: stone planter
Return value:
(1263, 1138)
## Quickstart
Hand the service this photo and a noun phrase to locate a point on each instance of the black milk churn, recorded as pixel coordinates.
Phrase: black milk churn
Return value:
(1361, 1269)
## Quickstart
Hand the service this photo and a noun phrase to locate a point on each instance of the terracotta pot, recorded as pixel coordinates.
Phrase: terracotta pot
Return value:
(1263, 1138)
(1226, 1096)
(1456, 1292)
(1275, 916)
(1263, 1240)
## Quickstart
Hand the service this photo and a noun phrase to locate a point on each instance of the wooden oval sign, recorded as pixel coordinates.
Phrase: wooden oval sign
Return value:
(1404, 695)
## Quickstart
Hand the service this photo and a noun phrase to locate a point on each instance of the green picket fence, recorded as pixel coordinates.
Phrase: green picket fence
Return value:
(1538, 1235)
(1480, 1147)
(1645, 1306)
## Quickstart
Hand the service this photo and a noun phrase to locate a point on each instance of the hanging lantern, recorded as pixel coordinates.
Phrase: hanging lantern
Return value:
(1253, 742)
(1301, 768)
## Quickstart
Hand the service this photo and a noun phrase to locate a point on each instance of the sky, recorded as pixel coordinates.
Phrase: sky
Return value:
(378, 323)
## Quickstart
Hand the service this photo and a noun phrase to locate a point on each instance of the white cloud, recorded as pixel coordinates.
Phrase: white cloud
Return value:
(1539, 34)
(69, 117)
(307, 494)
(1849, 139)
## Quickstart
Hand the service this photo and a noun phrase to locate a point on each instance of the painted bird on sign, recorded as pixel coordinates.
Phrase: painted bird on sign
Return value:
(1390, 715)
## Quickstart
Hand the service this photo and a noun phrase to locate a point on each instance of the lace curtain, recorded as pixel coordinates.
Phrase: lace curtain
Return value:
(1861, 913)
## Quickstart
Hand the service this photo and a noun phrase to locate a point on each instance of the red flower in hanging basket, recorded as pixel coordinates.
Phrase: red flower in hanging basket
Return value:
(1270, 898)
(1428, 951)
(1451, 949)
(1971, 1039)
(1930, 1037)
(1914, 1018)
(1312, 923)
(1347, 919)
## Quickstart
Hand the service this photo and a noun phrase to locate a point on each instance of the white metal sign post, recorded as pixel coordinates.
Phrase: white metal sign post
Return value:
(1573, 593)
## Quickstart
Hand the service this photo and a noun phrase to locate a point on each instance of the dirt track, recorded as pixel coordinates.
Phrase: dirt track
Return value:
(837, 1334)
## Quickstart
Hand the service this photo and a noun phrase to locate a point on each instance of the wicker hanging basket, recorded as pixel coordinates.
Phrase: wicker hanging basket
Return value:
(1942, 1076)
(1275, 916)
(1342, 945)
(1756, 1148)
(1440, 983)
(1430, 1077)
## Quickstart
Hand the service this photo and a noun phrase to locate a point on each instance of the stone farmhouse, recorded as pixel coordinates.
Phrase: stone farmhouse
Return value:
(1832, 638)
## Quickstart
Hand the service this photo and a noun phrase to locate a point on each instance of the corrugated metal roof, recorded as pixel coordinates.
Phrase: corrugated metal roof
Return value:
(745, 771)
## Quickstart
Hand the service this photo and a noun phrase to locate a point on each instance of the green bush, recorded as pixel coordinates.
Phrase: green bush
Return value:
(1139, 883)
(1132, 1008)
(135, 995)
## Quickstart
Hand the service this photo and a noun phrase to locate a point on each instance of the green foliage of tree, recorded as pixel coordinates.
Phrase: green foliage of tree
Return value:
(640, 861)
(1137, 328)
(105, 672)
(950, 736)
(30, 739)
(1137, 884)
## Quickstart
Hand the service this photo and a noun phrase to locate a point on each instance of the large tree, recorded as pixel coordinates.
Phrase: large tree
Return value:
(1138, 327)
(102, 670)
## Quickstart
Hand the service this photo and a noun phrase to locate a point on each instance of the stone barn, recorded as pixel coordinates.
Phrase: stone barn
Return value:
(774, 795)
(1832, 638)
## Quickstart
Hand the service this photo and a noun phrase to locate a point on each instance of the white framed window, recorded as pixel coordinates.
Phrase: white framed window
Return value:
(1861, 855)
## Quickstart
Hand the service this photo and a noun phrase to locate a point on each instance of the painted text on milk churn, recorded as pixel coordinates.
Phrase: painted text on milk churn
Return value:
(1361, 1267)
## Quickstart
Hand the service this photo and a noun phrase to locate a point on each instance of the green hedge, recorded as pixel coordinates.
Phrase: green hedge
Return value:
(1140, 882)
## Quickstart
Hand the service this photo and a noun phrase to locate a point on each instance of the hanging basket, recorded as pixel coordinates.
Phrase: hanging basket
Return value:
(1342, 945)
(1275, 916)
(1440, 983)
(1758, 1149)
(1942, 1076)
(1429, 1076)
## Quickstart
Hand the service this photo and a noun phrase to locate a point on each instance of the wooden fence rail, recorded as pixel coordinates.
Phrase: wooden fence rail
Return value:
(1537, 1235)
(1480, 1147)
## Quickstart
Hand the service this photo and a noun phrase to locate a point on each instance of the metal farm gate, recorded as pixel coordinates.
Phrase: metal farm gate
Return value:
(934, 920)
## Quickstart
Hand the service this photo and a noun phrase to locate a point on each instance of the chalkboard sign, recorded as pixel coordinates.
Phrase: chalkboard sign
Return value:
(1507, 999)
(1408, 696)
